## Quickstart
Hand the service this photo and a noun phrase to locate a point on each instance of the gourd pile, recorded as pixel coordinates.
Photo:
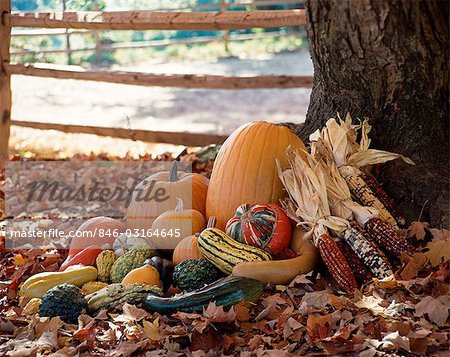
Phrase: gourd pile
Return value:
(273, 211)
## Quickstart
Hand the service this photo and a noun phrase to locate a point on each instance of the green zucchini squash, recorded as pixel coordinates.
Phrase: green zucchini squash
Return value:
(225, 253)
(225, 292)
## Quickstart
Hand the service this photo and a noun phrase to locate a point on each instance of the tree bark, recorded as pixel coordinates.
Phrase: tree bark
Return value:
(388, 60)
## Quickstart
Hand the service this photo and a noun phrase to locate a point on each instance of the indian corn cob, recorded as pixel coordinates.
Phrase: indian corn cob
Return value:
(364, 195)
(336, 263)
(385, 199)
(388, 239)
(368, 254)
(360, 271)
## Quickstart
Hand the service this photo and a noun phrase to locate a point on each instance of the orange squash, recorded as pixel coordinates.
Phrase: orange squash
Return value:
(172, 226)
(282, 271)
(245, 170)
(144, 275)
(190, 187)
(186, 249)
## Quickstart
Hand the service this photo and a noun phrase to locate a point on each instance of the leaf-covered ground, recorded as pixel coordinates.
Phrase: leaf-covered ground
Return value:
(406, 315)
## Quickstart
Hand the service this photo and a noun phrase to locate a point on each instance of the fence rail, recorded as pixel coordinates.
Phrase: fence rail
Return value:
(160, 80)
(176, 138)
(152, 20)
(127, 20)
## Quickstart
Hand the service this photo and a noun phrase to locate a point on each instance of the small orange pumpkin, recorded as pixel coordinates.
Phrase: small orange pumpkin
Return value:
(172, 226)
(186, 249)
(190, 187)
(144, 275)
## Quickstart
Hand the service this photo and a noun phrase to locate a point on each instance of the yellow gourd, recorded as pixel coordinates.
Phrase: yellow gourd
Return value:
(146, 274)
(37, 285)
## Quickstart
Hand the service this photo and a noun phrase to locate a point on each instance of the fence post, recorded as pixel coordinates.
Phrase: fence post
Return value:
(5, 80)
(69, 51)
(226, 33)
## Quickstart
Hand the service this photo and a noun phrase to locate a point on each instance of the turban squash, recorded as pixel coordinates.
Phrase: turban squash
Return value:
(263, 226)
(245, 170)
(190, 187)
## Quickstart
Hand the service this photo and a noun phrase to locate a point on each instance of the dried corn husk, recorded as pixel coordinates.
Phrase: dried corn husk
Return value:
(340, 140)
(337, 142)
(340, 199)
(308, 202)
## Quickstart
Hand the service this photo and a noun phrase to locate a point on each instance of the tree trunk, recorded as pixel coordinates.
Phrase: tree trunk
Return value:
(388, 61)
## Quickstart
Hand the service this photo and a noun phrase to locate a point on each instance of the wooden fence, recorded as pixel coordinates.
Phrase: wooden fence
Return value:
(133, 20)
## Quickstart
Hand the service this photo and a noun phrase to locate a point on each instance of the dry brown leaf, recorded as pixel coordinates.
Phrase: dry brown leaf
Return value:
(417, 229)
(403, 328)
(438, 249)
(216, 313)
(134, 313)
(48, 341)
(19, 260)
(318, 327)
(210, 339)
(413, 266)
(151, 330)
(242, 312)
(436, 310)
(393, 341)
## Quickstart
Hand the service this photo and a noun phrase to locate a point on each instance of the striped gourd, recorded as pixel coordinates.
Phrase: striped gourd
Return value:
(224, 252)
(115, 295)
(368, 253)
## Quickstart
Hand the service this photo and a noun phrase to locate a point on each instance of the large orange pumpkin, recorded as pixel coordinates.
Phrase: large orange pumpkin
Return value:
(245, 170)
(190, 187)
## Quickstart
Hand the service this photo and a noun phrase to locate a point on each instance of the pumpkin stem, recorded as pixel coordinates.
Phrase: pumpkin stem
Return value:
(179, 207)
(173, 174)
(211, 222)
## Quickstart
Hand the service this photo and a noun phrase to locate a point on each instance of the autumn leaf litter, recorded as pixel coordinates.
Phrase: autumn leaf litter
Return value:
(408, 314)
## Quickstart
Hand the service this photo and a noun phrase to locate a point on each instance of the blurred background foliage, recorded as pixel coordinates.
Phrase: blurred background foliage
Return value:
(29, 49)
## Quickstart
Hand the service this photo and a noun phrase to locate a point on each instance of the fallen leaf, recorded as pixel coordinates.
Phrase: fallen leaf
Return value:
(134, 313)
(210, 339)
(394, 341)
(436, 310)
(438, 249)
(242, 312)
(417, 229)
(19, 260)
(371, 303)
(313, 301)
(319, 327)
(413, 266)
(217, 314)
(293, 323)
(48, 341)
(151, 330)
